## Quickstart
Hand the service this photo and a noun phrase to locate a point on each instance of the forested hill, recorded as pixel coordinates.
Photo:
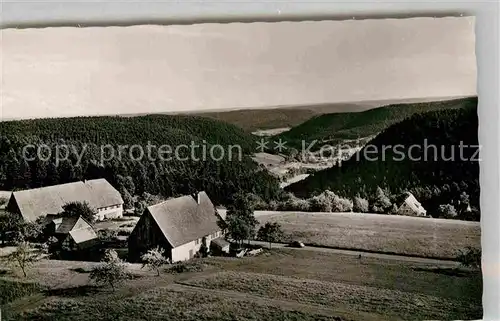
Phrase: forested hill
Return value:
(255, 119)
(157, 129)
(435, 179)
(336, 127)
(131, 173)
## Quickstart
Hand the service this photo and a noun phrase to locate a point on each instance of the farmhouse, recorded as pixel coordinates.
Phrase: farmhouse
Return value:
(34, 203)
(74, 233)
(409, 206)
(180, 226)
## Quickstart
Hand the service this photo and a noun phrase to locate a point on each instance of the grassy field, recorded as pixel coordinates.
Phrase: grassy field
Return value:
(345, 296)
(282, 284)
(404, 235)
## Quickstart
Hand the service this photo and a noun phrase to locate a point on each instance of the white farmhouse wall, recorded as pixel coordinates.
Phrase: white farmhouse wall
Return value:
(184, 252)
(109, 212)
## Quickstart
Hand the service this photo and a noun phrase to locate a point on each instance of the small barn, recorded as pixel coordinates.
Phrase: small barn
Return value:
(179, 226)
(99, 193)
(74, 233)
(409, 206)
(220, 246)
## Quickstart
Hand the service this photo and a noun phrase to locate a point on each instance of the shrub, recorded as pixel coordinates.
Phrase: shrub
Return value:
(107, 235)
(111, 271)
(293, 203)
(381, 202)
(273, 205)
(447, 211)
(330, 202)
(183, 267)
(11, 291)
(470, 257)
(256, 202)
(340, 204)
(360, 205)
(124, 232)
(320, 203)
(154, 259)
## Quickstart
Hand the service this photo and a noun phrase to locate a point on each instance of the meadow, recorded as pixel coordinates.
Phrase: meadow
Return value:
(281, 284)
(414, 236)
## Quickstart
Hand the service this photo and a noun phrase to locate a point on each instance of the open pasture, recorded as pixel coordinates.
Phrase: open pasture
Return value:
(415, 236)
(282, 284)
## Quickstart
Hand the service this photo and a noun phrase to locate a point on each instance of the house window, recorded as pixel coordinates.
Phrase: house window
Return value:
(197, 242)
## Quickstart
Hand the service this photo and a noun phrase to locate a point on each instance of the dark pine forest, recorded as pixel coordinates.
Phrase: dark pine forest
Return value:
(131, 174)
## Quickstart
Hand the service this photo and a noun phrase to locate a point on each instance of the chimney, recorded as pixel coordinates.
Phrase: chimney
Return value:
(196, 197)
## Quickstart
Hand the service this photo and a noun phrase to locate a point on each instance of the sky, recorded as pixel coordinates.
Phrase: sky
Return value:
(64, 71)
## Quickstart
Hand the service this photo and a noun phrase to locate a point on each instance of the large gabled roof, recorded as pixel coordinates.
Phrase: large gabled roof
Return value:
(183, 220)
(411, 202)
(37, 202)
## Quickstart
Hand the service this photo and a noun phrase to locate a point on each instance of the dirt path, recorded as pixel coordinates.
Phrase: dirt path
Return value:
(447, 263)
(283, 304)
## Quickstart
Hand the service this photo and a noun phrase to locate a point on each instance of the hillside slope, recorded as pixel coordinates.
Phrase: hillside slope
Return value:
(337, 127)
(407, 164)
(178, 172)
(261, 119)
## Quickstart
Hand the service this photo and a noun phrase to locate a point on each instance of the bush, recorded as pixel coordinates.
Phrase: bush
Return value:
(154, 259)
(132, 225)
(470, 257)
(293, 203)
(183, 267)
(11, 291)
(256, 202)
(447, 211)
(273, 206)
(340, 204)
(139, 208)
(107, 235)
(381, 202)
(360, 205)
(111, 271)
(320, 203)
(330, 202)
(124, 232)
